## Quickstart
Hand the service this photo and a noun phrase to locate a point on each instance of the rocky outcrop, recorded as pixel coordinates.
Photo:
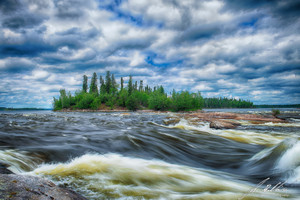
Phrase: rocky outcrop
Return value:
(222, 124)
(225, 120)
(235, 116)
(19, 187)
(171, 120)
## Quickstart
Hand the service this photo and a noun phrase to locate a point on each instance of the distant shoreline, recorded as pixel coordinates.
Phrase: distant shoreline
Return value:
(8, 109)
(108, 110)
(296, 106)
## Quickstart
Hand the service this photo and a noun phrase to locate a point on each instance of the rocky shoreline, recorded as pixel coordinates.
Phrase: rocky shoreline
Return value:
(17, 187)
(225, 120)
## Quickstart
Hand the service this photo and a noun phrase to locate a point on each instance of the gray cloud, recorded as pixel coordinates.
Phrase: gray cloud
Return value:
(9, 6)
(16, 15)
(245, 49)
(23, 20)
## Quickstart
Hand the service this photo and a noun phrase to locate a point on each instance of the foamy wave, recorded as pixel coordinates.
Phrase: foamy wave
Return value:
(244, 136)
(114, 176)
(284, 160)
(291, 158)
(19, 162)
(287, 124)
(289, 163)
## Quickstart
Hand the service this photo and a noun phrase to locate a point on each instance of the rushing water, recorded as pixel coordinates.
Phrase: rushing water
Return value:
(136, 156)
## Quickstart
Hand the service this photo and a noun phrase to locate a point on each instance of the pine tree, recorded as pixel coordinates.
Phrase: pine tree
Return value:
(141, 86)
(135, 86)
(174, 94)
(122, 83)
(130, 86)
(85, 84)
(102, 86)
(93, 86)
(114, 84)
(108, 82)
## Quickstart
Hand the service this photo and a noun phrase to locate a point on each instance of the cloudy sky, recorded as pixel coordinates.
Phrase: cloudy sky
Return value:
(240, 49)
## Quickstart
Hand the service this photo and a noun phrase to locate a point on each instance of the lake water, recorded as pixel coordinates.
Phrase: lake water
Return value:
(135, 156)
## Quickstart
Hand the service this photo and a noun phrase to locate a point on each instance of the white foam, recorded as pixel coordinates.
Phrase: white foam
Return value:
(289, 164)
(19, 162)
(290, 159)
(116, 175)
(244, 136)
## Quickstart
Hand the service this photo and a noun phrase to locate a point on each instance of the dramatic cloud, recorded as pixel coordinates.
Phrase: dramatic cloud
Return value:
(240, 49)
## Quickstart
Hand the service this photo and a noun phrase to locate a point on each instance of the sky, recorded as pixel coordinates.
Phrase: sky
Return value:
(238, 49)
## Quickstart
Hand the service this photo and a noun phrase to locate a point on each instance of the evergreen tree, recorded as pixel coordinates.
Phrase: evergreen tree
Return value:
(122, 83)
(135, 86)
(108, 83)
(102, 86)
(161, 89)
(85, 84)
(141, 86)
(114, 84)
(93, 86)
(173, 94)
(130, 86)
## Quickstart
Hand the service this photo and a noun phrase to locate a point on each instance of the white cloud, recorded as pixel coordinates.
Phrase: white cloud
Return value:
(37, 75)
(136, 59)
(202, 87)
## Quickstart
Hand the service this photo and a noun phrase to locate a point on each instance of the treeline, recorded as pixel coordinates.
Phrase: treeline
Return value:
(4, 108)
(111, 95)
(279, 106)
(224, 102)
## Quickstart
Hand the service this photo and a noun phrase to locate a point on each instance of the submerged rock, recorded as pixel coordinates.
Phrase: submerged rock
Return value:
(224, 120)
(171, 121)
(4, 170)
(221, 124)
(17, 187)
(236, 116)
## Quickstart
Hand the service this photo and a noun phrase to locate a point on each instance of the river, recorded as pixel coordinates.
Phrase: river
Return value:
(136, 156)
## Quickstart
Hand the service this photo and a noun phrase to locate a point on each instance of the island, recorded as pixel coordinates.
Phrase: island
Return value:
(114, 96)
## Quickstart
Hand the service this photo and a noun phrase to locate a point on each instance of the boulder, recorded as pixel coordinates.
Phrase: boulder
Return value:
(18, 187)
(4, 170)
(172, 121)
(222, 124)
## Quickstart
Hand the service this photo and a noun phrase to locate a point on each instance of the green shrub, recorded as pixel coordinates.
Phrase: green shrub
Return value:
(96, 103)
(122, 98)
(86, 101)
(132, 103)
(159, 101)
(275, 112)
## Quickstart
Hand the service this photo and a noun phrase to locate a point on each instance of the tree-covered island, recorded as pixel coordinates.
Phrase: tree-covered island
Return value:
(111, 95)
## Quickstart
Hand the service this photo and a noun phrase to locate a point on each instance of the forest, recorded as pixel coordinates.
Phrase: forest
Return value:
(135, 96)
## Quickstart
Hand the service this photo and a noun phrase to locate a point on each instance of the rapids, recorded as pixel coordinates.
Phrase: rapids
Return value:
(136, 156)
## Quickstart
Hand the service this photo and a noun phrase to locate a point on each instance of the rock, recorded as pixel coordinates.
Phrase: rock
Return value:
(236, 116)
(18, 187)
(172, 121)
(222, 124)
(288, 116)
(4, 170)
